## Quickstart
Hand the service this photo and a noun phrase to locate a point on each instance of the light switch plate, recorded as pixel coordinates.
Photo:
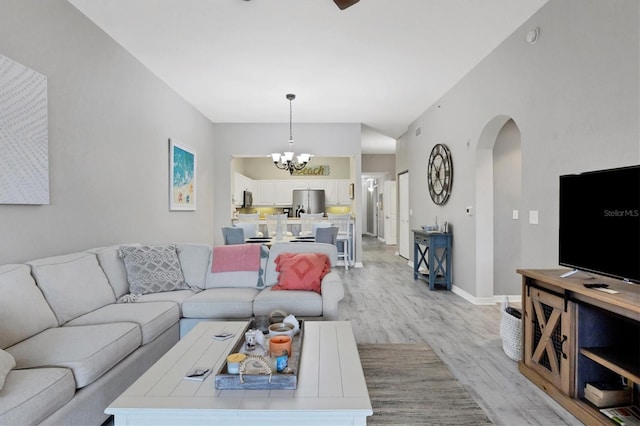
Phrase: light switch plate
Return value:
(533, 217)
(514, 215)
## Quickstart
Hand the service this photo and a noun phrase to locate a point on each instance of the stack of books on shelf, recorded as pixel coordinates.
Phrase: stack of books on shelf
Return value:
(624, 416)
(607, 394)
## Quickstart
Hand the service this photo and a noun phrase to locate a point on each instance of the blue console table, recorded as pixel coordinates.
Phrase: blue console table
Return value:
(433, 251)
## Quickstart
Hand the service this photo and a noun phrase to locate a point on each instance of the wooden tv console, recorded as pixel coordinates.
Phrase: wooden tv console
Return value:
(574, 335)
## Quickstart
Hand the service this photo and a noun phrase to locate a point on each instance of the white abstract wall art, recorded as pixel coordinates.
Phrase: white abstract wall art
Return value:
(24, 138)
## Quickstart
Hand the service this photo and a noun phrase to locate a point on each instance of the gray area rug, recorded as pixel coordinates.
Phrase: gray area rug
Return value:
(409, 385)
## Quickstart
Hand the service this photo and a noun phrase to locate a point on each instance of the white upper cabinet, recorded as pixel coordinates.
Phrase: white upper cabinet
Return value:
(284, 192)
(331, 192)
(241, 183)
(344, 191)
(266, 193)
(280, 192)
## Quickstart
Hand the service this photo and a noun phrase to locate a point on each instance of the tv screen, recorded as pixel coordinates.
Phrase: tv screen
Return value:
(600, 222)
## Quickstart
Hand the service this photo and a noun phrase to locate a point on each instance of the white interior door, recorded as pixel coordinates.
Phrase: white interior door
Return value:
(404, 233)
(389, 205)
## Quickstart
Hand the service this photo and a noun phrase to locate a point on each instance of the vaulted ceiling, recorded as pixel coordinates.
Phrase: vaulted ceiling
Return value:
(380, 62)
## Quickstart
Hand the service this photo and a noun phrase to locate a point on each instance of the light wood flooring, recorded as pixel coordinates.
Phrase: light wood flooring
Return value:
(385, 305)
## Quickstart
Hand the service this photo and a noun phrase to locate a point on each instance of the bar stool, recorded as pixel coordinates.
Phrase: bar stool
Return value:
(343, 222)
(306, 221)
(272, 224)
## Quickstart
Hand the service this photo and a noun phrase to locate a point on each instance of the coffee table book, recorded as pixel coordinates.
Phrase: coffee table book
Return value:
(224, 380)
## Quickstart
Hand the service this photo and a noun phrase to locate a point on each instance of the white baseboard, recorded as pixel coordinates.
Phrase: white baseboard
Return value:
(491, 300)
(471, 298)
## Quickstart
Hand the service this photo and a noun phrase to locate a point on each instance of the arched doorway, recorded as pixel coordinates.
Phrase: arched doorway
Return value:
(498, 176)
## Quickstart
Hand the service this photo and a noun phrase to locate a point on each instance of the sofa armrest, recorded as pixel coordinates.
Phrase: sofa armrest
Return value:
(332, 293)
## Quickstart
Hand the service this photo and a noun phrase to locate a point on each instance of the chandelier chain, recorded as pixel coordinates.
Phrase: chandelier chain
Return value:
(288, 161)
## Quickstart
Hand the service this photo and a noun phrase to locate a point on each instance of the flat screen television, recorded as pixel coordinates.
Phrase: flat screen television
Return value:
(600, 222)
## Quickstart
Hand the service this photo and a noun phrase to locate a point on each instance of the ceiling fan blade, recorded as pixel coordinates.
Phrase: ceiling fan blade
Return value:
(343, 4)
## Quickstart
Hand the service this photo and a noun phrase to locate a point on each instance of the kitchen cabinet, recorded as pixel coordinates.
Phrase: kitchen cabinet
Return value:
(331, 192)
(344, 191)
(283, 192)
(274, 192)
(279, 192)
(241, 183)
(337, 192)
(265, 194)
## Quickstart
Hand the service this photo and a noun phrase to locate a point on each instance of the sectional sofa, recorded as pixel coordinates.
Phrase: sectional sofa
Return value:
(76, 330)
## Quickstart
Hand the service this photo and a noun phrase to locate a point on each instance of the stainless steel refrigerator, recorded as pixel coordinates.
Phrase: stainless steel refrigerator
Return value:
(311, 200)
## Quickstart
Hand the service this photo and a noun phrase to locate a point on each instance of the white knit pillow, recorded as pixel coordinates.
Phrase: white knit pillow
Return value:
(152, 269)
(6, 364)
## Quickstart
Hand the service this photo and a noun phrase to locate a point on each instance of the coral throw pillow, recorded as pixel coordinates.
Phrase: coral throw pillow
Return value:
(301, 271)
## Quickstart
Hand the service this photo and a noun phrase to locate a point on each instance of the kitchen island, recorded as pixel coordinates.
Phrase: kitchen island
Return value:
(294, 224)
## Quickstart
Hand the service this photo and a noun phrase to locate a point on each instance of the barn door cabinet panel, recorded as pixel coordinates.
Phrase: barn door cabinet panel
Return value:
(549, 336)
(574, 335)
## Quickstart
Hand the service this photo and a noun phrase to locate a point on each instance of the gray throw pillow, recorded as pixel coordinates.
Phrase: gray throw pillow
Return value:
(152, 269)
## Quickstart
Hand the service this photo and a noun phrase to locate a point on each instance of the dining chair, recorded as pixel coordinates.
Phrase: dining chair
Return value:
(328, 235)
(343, 222)
(232, 235)
(251, 224)
(306, 221)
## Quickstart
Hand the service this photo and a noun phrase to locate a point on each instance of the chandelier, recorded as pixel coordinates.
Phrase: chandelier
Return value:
(287, 160)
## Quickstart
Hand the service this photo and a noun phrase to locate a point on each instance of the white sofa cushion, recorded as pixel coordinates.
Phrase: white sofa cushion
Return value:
(89, 350)
(113, 267)
(177, 297)
(153, 318)
(220, 303)
(19, 295)
(194, 260)
(30, 396)
(238, 278)
(6, 364)
(271, 275)
(73, 284)
(152, 269)
(296, 302)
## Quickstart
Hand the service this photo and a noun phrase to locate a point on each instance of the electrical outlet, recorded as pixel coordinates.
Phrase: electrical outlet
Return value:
(533, 217)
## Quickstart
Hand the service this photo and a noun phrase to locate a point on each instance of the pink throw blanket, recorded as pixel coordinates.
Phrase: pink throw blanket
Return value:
(239, 257)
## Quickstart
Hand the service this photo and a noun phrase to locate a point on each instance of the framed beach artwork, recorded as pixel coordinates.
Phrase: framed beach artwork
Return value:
(182, 177)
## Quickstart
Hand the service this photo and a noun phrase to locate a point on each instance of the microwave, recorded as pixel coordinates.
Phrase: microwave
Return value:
(247, 199)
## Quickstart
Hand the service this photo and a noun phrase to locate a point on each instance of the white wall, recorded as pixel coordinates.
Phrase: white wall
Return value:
(263, 168)
(574, 95)
(507, 197)
(109, 124)
(379, 163)
(256, 139)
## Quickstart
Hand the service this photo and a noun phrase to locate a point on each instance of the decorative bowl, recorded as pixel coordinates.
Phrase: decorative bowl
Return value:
(282, 329)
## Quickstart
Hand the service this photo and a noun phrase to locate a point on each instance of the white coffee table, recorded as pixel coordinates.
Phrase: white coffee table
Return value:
(331, 385)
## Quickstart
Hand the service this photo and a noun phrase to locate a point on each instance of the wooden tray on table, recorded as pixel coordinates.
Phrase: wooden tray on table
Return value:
(275, 380)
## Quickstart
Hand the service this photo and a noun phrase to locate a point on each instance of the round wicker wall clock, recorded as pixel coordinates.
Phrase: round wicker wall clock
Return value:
(440, 174)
